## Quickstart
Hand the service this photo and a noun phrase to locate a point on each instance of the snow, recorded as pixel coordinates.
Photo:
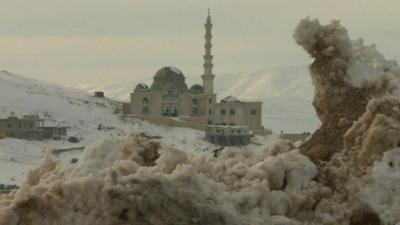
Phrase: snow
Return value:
(83, 113)
(17, 157)
(368, 63)
(175, 70)
(356, 97)
(383, 193)
(120, 180)
(141, 86)
(77, 110)
(230, 99)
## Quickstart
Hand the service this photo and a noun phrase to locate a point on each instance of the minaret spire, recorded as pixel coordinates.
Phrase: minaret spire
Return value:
(208, 76)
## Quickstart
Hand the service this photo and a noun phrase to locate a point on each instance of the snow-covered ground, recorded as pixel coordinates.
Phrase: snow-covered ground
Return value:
(286, 93)
(83, 114)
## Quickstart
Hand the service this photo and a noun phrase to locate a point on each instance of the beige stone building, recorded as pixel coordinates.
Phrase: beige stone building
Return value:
(169, 96)
(30, 127)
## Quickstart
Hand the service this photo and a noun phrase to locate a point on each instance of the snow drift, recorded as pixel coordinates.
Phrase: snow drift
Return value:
(347, 75)
(357, 100)
(136, 181)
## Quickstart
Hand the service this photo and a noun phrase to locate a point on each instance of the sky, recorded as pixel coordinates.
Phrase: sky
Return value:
(75, 42)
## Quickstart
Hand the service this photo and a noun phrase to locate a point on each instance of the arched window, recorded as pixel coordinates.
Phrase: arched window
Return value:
(145, 101)
(194, 111)
(145, 110)
(194, 101)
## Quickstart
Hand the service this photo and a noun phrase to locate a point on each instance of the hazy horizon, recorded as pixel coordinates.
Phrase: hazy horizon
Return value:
(77, 42)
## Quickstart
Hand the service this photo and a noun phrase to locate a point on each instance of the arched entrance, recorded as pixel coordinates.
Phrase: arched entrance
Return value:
(170, 111)
(173, 112)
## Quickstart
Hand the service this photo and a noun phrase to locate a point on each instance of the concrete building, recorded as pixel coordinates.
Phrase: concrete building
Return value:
(30, 127)
(231, 111)
(197, 106)
(228, 135)
(99, 94)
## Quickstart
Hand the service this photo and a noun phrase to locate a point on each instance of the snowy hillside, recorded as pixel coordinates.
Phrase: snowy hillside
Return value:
(82, 113)
(286, 92)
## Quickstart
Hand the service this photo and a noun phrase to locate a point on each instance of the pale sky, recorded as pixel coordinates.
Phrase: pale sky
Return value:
(74, 42)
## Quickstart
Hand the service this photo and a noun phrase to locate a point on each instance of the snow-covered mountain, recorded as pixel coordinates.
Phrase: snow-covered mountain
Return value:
(285, 90)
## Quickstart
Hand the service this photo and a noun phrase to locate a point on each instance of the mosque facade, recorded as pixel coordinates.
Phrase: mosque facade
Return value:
(169, 96)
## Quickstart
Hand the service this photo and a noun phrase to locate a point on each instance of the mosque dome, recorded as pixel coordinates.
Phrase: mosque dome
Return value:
(169, 76)
(141, 87)
(196, 89)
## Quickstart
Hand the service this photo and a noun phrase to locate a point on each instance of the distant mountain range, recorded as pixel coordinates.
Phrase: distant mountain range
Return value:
(286, 91)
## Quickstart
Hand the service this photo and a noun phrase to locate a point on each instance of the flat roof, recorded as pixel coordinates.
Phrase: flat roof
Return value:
(227, 126)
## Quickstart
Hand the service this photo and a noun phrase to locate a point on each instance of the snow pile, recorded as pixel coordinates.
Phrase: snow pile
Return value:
(377, 130)
(135, 180)
(357, 100)
(383, 194)
(346, 75)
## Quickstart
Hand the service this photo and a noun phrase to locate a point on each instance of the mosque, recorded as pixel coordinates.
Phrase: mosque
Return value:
(169, 100)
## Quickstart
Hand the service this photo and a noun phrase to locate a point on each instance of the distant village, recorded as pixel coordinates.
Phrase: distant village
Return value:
(170, 102)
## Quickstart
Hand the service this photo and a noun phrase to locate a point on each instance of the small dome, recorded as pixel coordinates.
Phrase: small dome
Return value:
(230, 99)
(169, 75)
(141, 87)
(197, 89)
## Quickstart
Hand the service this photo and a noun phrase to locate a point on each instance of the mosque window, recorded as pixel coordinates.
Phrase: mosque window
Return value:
(232, 112)
(145, 110)
(194, 101)
(210, 100)
(253, 112)
(194, 111)
(145, 101)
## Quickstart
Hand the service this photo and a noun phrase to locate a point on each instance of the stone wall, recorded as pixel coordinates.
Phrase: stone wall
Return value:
(170, 121)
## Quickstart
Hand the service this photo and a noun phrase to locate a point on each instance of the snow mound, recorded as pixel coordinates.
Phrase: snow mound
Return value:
(383, 193)
(135, 180)
(357, 100)
(346, 75)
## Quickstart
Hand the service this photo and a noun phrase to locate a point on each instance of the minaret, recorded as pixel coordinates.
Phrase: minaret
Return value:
(208, 76)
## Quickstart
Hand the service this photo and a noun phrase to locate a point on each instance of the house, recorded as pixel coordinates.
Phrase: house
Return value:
(30, 127)
(295, 136)
(228, 135)
(99, 94)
